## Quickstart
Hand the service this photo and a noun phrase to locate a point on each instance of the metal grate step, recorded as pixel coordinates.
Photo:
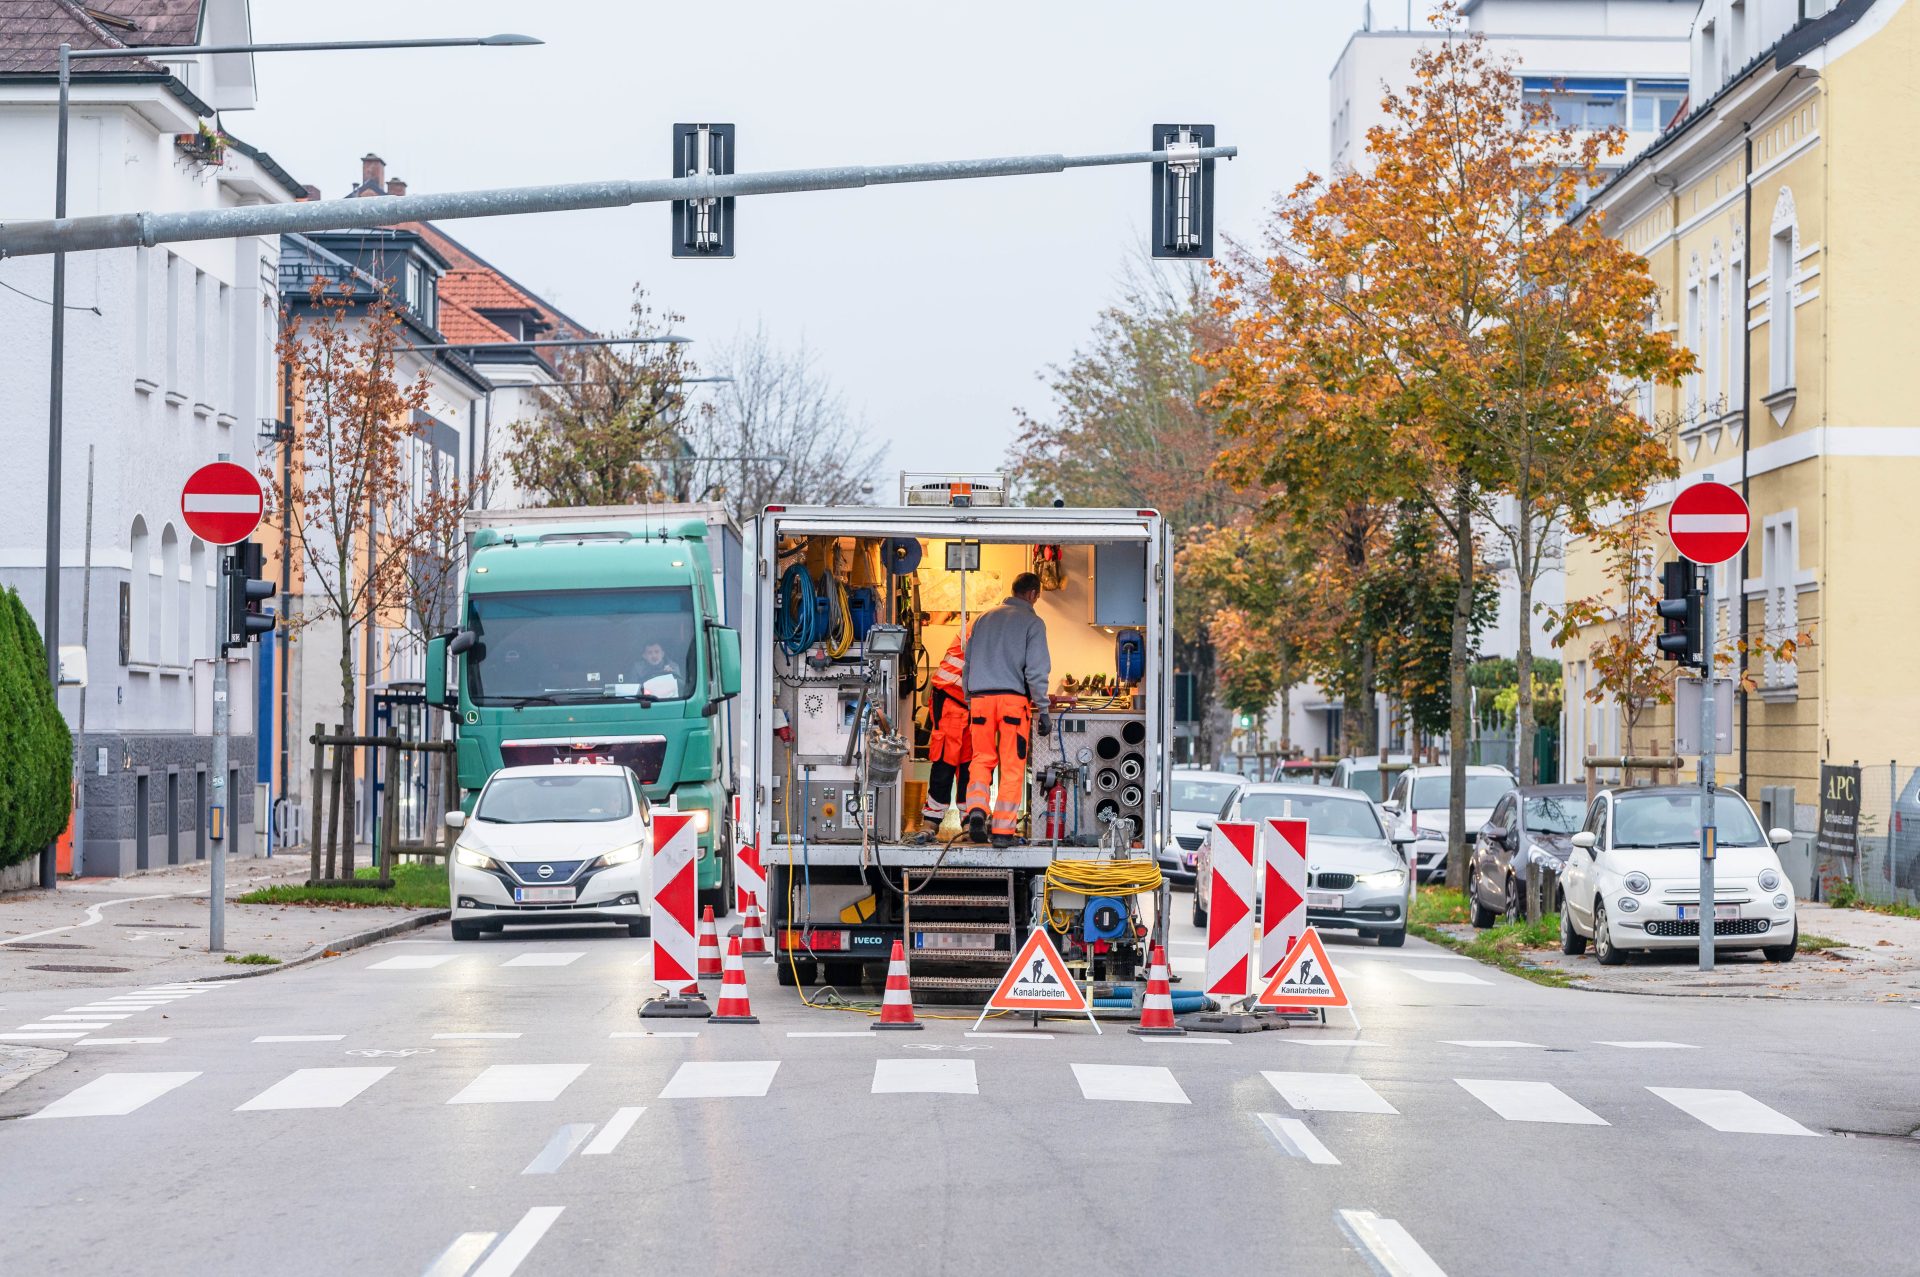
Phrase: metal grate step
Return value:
(928, 900)
(962, 955)
(961, 982)
(956, 872)
(934, 924)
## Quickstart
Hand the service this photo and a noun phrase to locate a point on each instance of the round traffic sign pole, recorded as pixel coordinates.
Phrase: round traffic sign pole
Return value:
(1708, 522)
(222, 503)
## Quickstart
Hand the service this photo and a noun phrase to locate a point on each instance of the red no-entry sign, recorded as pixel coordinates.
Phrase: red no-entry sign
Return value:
(1708, 522)
(222, 503)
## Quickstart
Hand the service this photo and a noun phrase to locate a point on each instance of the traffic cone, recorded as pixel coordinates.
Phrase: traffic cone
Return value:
(706, 964)
(896, 1008)
(1156, 1015)
(753, 939)
(734, 1006)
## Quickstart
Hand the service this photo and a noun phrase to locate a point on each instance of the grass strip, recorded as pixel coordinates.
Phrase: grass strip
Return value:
(414, 887)
(253, 960)
(1502, 946)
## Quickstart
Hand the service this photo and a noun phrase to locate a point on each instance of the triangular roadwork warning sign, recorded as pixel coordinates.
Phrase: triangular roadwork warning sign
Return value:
(1038, 980)
(1305, 978)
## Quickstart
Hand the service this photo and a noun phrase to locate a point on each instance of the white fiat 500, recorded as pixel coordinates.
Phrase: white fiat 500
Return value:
(556, 843)
(1632, 880)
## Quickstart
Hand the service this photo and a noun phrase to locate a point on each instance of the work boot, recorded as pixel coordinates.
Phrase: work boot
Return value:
(1002, 841)
(977, 825)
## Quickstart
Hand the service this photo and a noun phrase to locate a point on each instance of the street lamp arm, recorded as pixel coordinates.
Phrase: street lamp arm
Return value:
(123, 230)
(304, 46)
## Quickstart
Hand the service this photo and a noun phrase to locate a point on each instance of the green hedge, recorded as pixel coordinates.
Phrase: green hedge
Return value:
(36, 751)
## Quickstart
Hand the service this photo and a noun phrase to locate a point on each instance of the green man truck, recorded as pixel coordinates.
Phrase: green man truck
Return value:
(603, 634)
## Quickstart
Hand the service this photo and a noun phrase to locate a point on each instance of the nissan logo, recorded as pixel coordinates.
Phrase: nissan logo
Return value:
(546, 871)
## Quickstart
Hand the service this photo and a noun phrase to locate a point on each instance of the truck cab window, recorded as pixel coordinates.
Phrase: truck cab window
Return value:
(572, 646)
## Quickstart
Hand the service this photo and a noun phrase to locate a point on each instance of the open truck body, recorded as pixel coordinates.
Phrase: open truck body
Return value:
(839, 853)
(559, 600)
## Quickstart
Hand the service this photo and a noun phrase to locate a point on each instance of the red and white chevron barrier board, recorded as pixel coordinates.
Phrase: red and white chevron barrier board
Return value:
(1230, 909)
(675, 889)
(1283, 892)
(749, 879)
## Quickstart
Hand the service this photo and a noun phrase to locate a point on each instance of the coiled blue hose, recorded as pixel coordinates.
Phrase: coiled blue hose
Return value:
(799, 625)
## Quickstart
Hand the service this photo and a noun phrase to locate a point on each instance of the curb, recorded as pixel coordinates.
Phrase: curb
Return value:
(1749, 997)
(358, 940)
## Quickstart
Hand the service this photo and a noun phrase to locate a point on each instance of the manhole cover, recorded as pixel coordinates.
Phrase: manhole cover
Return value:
(67, 966)
(155, 926)
(45, 944)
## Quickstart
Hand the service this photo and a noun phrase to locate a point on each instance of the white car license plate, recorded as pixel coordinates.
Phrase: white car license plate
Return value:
(542, 895)
(1731, 912)
(1325, 900)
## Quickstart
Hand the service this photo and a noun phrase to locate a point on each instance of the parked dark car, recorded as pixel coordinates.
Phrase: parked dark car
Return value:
(1533, 823)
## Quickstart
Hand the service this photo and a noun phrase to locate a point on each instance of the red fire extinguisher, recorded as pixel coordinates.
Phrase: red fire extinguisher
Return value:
(1057, 810)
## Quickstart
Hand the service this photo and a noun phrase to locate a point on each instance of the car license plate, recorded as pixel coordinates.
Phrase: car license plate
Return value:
(1325, 900)
(1728, 912)
(952, 940)
(542, 895)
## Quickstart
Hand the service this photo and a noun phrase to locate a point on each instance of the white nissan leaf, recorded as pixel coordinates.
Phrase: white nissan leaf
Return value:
(560, 843)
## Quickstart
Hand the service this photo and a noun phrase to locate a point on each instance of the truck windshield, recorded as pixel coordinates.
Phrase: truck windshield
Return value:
(555, 647)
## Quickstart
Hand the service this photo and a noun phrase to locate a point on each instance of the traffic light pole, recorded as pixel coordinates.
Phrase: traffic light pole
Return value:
(217, 864)
(124, 230)
(1709, 747)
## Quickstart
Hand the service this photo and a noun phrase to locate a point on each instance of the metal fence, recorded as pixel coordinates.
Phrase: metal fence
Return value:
(1884, 866)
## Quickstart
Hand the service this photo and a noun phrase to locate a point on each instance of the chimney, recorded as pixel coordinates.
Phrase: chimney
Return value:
(313, 192)
(396, 187)
(373, 172)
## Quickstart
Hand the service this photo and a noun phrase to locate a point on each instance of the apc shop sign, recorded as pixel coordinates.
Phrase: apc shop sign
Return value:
(1839, 811)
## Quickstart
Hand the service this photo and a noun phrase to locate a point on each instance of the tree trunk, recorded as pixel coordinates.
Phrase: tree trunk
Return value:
(1523, 704)
(1457, 669)
(1365, 717)
(1286, 717)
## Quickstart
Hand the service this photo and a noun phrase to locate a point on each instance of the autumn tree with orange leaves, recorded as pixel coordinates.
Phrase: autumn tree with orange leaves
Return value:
(355, 522)
(1435, 330)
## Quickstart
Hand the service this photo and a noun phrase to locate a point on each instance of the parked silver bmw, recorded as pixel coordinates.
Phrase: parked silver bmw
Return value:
(1356, 874)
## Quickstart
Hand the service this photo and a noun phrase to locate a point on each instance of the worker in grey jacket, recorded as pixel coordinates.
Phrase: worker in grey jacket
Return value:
(1006, 680)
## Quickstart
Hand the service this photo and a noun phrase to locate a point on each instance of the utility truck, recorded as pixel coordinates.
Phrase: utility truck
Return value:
(603, 635)
(849, 611)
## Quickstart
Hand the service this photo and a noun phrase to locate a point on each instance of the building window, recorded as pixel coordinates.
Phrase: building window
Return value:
(172, 303)
(1691, 336)
(169, 616)
(1736, 330)
(140, 578)
(1577, 104)
(1715, 394)
(199, 626)
(1656, 102)
(1780, 321)
(1779, 565)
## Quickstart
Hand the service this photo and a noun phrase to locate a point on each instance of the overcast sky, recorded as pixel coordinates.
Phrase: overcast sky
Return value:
(933, 307)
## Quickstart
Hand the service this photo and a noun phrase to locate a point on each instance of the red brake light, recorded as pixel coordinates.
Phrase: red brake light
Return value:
(1146, 514)
(776, 509)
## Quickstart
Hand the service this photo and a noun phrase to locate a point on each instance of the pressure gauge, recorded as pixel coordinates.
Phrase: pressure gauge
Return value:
(1084, 756)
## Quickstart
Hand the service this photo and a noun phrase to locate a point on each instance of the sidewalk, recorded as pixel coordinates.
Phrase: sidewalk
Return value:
(153, 926)
(1880, 962)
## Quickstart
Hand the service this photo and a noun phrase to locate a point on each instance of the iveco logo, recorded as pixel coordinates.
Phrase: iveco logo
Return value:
(546, 871)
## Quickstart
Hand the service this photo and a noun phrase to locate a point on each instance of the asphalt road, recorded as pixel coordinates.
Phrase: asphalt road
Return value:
(426, 1107)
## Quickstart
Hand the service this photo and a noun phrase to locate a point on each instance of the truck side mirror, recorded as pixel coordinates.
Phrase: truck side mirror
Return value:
(436, 675)
(727, 673)
(462, 642)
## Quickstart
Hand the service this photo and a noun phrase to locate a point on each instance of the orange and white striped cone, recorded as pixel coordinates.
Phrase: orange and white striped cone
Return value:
(896, 1007)
(706, 964)
(1156, 1014)
(753, 938)
(734, 1006)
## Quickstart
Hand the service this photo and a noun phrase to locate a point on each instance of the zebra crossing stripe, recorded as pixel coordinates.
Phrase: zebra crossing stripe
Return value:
(1530, 1102)
(316, 1088)
(114, 1094)
(1734, 1112)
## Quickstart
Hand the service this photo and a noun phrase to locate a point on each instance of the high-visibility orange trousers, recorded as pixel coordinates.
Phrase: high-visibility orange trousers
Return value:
(1002, 728)
(949, 750)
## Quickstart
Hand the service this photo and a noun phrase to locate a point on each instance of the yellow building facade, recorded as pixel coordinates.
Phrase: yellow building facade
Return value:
(1779, 217)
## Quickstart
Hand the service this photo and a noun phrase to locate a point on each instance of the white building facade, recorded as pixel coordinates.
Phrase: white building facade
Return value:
(168, 366)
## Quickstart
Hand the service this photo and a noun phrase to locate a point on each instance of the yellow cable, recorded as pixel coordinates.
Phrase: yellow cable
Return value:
(840, 619)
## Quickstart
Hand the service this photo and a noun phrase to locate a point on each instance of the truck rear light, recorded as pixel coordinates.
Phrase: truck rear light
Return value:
(776, 509)
(813, 940)
(1146, 514)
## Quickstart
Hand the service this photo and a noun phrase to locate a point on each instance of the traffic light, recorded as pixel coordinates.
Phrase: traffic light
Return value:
(247, 617)
(1183, 192)
(703, 228)
(1680, 612)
